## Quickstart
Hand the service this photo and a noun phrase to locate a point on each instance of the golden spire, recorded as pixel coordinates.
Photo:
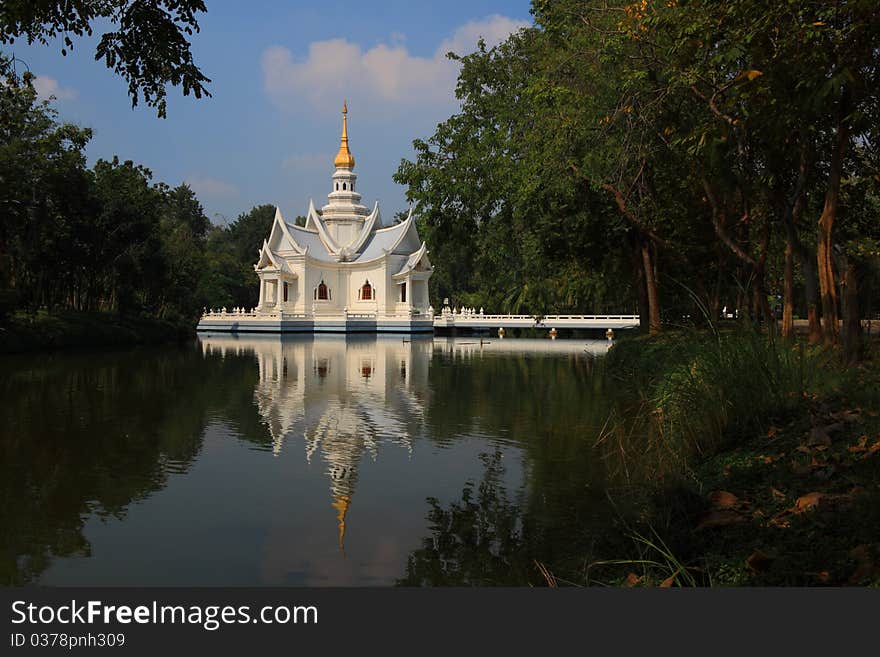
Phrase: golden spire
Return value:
(341, 503)
(344, 158)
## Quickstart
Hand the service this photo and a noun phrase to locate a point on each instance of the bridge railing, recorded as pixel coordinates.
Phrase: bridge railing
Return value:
(535, 318)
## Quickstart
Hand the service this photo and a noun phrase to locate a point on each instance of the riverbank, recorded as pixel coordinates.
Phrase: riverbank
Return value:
(45, 331)
(760, 461)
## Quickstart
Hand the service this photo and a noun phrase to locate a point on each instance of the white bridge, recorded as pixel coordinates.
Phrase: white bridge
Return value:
(273, 321)
(473, 319)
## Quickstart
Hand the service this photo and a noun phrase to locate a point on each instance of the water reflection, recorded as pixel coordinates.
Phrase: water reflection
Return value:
(259, 460)
(344, 396)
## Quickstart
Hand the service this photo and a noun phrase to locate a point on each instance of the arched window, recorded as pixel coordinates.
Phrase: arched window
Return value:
(337, 187)
(322, 293)
(343, 186)
(285, 291)
(367, 292)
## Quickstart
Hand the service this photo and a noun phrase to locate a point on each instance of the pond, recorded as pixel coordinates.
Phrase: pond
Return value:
(301, 461)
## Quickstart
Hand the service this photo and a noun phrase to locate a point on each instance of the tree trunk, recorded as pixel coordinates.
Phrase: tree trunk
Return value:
(811, 284)
(651, 288)
(852, 324)
(641, 289)
(811, 291)
(824, 254)
(788, 292)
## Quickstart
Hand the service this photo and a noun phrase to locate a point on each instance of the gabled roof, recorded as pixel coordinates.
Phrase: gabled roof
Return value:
(269, 258)
(420, 256)
(314, 240)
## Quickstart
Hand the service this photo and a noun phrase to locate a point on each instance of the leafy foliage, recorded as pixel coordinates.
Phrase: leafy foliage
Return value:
(148, 47)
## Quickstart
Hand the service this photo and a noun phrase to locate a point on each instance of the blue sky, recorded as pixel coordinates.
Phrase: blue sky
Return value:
(280, 71)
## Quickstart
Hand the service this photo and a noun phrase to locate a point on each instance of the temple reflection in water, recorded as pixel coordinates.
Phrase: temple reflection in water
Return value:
(344, 396)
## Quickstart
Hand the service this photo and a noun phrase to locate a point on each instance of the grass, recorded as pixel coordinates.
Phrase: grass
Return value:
(685, 395)
(758, 461)
(23, 332)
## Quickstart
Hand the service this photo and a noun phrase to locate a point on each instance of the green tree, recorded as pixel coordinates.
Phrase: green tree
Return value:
(147, 46)
(184, 230)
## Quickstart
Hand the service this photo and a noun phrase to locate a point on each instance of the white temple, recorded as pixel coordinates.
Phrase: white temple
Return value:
(345, 270)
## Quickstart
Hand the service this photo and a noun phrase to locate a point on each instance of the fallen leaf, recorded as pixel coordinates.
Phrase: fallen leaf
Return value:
(777, 493)
(720, 518)
(668, 582)
(807, 501)
(861, 446)
(721, 499)
(632, 580)
(772, 432)
(758, 561)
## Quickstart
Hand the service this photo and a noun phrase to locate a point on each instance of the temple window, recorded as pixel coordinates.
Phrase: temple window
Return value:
(285, 292)
(343, 186)
(367, 292)
(337, 187)
(323, 292)
(403, 292)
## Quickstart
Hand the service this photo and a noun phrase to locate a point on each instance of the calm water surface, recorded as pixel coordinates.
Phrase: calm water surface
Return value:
(299, 461)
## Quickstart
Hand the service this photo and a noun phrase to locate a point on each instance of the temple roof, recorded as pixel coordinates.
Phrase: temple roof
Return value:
(371, 243)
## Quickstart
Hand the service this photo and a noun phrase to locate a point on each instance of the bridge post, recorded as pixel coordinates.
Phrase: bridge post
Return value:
(553, 334)
(501, 332)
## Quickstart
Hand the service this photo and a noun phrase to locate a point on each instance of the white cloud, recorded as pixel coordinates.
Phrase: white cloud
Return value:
(47, 87)
(380, 77)
(493, 30)
(211, 187)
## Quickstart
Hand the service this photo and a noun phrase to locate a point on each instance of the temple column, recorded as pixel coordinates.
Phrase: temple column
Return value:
(262, 292)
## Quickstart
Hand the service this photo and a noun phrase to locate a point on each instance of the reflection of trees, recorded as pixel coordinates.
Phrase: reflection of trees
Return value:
(92, 433)
(490, 539)
(552, 408)
(475, 542)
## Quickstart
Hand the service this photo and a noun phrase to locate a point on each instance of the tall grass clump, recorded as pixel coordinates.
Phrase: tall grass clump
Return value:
(687, 394)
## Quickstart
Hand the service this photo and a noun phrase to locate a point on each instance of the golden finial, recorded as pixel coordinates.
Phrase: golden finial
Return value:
(344, 158)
